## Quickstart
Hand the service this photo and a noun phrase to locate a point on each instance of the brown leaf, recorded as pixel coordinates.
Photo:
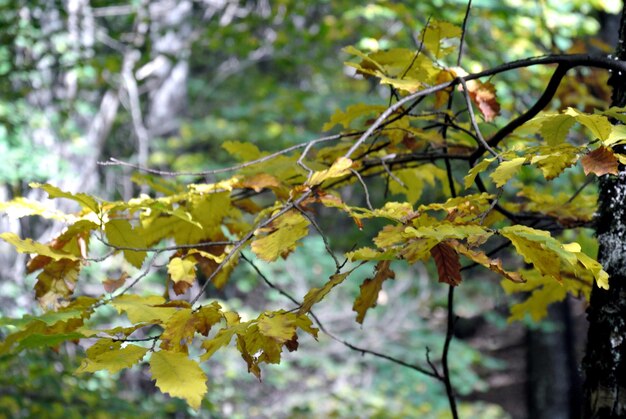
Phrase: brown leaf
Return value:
(481, 258)
(370, 289)
(600, 162)
(484, 95)
(448, 265)
(259, 182)
(181, 287)
(111, 285)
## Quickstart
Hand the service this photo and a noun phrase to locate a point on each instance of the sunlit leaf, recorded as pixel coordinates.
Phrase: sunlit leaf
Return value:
(179, 376)
(280, 237)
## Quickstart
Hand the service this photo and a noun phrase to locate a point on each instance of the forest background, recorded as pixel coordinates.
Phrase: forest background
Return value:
(166, 84)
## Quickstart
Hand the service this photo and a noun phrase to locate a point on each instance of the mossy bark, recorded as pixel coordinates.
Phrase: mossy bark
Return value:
(605, 358)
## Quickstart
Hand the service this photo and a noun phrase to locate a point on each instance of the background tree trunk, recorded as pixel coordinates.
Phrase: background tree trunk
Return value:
(605, 358)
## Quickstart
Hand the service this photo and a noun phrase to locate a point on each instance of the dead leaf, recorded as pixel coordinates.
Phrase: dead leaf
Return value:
(448, 265)
(110, 285)
(600, 162)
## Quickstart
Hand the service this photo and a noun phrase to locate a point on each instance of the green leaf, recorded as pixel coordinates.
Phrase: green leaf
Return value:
(37, 340)
(121, 234)
(243, 151)
(179, 376)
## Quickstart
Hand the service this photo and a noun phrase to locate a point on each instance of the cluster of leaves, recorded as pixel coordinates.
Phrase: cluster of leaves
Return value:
(206, 227)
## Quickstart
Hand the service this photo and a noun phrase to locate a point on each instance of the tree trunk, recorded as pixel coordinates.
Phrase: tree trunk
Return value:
(605, 358)
(553, 379)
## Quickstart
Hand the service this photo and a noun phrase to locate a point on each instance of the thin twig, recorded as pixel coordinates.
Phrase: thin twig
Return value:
(446, 349)
(347, 344)
(365, 190)
(317, 227)
(115, 162)
(588, 182)
(143, 274)
(166, 248)
(389, 172)
(472, 116)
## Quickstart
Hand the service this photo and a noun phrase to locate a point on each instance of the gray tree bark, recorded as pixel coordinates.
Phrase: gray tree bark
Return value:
(605, 358)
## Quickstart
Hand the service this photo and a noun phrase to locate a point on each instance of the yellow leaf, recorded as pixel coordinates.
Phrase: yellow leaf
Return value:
(555, 129)
(436, 33)
(112, 359)
(540, 249)
(282, 236)
(182, 270)
(468, 180)
(280, 325)
(600, 275)
(396, 211)
(367, 253)
(481, 258)
(445, 230)
(206, 317)
(22, 207)
(617, 136)
(121, 234)
(29, 246)
(544, 290)
(389, 236)
(370, 288)
(143, 309)
(178, 331)
(339, 168)
(179, 376)
(599, 125)
(417, 249)
(506, 170)
(415, 179)
(552, 161)
(316, 295)
(221, 339)
(84, 200)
